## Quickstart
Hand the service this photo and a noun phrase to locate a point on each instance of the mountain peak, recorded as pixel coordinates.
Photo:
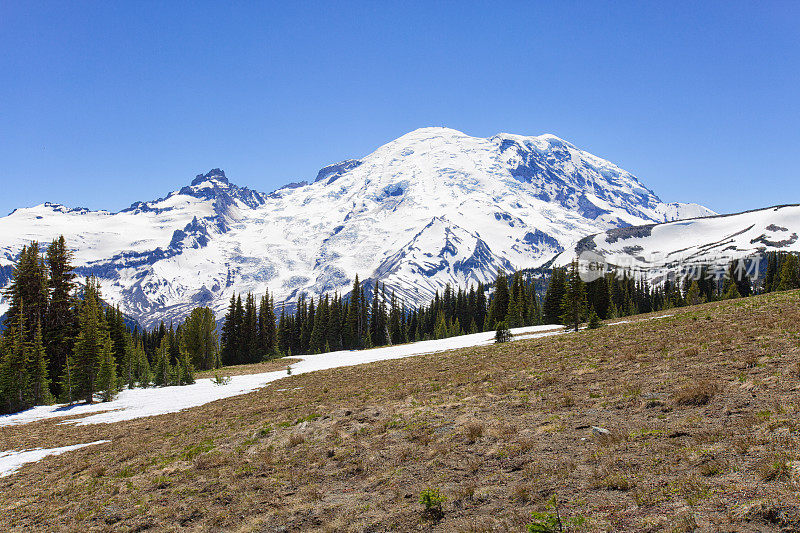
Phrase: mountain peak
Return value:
(214, 174)
(432, 131)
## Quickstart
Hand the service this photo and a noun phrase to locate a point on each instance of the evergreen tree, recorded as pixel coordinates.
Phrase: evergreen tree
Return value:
(284, 331)
(308, 324)
(183, 370)
(502, 333)
(790, 273)
(498, 308)
(143, 374)
(92, 340)
(397, 333)
(106, 380)
(335, 323)
(198, 339)
(229, 335)
(37, 372)
(129, 362)
(481, 306)
(318, 336)
(516, 303)
(251, 335)
(240, 338)
(440, 330)
(693, 296)
(573, 304)
(27, 293)
(455, 328)
(379, 320)
(355, 324)
(554, 296)
(738, 273)
(707, 284)
(594, 320)
(533, 315)
(163, 374)
(14, 377)
(268, 335)
(61, 319)
(366, 338)
(772, 275)
(731, 292)
(597, 294)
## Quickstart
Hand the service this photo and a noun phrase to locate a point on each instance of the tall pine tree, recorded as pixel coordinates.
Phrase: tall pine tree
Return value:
(498, 308)
(61, 319)
(573, 304)
(90, 346)
(554, 296)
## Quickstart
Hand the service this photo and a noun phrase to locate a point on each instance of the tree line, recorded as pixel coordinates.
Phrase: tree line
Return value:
(570, 301)
(62, 342)
(369, 317)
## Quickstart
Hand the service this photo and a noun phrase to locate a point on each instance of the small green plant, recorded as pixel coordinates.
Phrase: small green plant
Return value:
(546, 522)
(432, 500)
(193, 451)
(503, 334)
(775, 468)
(552, 522)
(288, 371)
(220, 380)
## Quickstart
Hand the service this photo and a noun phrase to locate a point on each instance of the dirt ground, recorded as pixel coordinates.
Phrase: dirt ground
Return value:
(686, 422)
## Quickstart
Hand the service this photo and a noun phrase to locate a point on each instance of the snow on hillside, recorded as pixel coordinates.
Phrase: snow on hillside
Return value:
(658, 249)
(434, 206)
(11, 460)
(139, 403)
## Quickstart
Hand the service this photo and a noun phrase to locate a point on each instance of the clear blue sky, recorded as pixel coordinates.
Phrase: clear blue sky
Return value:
(105, 103)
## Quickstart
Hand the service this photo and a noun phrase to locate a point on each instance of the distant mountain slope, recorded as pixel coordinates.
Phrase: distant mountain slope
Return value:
(661, 248)
(435, 206)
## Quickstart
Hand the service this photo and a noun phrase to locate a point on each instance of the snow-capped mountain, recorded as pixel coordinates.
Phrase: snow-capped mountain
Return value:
(655, 250)
(435, 206)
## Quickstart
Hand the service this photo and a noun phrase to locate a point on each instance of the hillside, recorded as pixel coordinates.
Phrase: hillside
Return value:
(700, 413)
(432, 207)
(656, 250)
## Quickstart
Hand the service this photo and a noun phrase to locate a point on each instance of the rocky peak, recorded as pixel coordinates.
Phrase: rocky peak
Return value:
(214, 174)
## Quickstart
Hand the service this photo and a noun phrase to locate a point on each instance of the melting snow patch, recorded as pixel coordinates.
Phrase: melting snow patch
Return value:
(138, 403)
(11, 461)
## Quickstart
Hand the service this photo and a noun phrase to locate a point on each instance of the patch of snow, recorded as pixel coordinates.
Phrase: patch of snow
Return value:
(11, 460)
(138, 403)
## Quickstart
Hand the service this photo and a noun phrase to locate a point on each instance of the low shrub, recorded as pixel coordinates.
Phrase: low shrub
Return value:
(432, 500)
(696, 393)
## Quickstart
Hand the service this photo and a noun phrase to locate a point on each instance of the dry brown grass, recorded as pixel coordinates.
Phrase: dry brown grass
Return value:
(352, 448)
(697, 392)
(775, 467)
(255, 368)
(473, 431)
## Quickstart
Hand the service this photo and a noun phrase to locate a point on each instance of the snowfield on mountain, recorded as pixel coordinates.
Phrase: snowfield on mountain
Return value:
(655, 250)
(432, 207)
